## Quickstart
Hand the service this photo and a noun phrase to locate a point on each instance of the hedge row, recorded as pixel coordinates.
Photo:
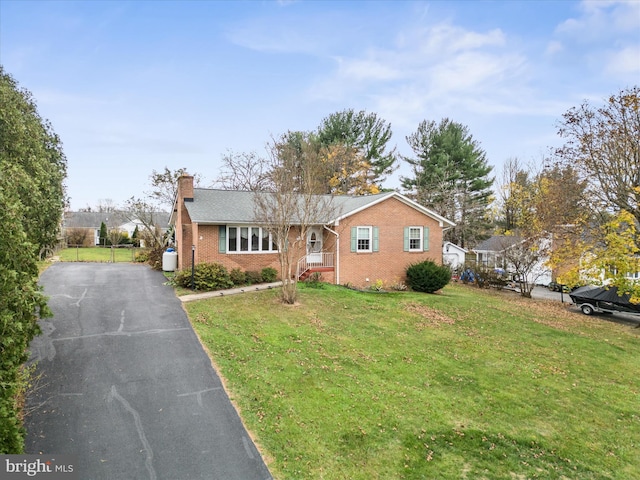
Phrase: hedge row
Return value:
(214, 276)
(32, 169)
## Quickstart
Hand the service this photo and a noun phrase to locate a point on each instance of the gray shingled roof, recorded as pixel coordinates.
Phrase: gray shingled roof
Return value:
(220, 206)
(94, 219)
(91, 219)
(210, 206)
(230, 206)
(497, 243)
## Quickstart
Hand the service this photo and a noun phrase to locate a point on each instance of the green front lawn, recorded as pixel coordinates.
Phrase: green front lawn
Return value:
(464, 384)
(97, 254)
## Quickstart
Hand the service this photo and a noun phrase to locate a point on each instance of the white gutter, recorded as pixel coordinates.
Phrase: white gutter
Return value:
(337, 253)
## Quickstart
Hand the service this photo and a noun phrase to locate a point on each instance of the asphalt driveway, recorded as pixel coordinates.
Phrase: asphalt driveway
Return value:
(126, 386)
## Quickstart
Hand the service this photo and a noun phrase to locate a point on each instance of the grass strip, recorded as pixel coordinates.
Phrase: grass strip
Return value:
(97, 254)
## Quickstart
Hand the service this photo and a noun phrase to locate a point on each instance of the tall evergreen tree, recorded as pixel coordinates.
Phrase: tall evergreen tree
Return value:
(451, 177)
(103, 234)
(367, 135)
(31, 155)
(32, 170)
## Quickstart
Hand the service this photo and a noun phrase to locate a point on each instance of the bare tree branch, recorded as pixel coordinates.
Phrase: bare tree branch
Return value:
(292, 205)
(604, 145)
(243, 171)
(165, 185)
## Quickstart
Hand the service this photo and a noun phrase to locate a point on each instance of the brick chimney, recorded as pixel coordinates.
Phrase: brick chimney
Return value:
(185, 188)
(184, 228)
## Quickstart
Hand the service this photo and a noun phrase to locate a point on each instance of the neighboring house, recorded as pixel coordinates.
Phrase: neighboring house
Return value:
(598, 276)
(491, 253)
(453, 255)
(89, 223)
(634, 276)
(372, 238)
(593, 275)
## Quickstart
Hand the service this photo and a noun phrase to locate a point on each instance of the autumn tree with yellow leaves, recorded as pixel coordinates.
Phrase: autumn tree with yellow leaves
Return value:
(603, 145)
(605, 255)
(359, 141)
(293, 201)
(536, 208)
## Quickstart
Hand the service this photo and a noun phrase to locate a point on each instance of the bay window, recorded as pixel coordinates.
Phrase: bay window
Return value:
(249, 240)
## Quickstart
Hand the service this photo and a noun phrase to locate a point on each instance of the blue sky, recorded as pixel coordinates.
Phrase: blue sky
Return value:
(132, 86)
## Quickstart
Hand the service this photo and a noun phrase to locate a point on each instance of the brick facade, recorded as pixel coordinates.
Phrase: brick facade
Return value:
(391, 261)
(208, 251)
(183, 226)
(362, 269)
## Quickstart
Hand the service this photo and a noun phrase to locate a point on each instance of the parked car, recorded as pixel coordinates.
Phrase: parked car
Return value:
(557, 287)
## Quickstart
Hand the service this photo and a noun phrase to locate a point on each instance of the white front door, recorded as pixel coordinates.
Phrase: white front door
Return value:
(314, 245)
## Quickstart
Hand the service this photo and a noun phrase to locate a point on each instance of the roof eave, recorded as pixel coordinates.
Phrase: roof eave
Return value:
(336, 221)
(444, 222)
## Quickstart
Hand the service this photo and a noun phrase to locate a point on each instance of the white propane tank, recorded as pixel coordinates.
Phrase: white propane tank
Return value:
(170, 260)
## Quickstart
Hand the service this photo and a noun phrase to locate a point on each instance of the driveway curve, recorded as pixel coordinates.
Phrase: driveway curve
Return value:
(126, 386)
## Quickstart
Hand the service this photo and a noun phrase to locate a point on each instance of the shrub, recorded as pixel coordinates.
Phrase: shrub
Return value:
(154, 257)
(484, 276)
(238, 277)
(135, 237)
(142, 256)
(254, 277)
(314, 280)
(76, 236)
(103, 234)
(427, 276)
(398, 286)
(269, 274)
(207, 277)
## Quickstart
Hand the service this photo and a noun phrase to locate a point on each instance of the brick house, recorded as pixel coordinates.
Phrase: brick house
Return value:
(373, 238)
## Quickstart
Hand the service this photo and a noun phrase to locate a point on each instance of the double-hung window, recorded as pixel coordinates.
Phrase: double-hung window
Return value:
(364, 239)
(415, 239)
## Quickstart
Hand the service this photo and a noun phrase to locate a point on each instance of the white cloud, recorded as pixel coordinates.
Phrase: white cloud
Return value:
(446, 39)
(620, 15)
(604, 37)
(554, 47)
(280, 40)
(624, 62)
(367, 69)
(289, 32)
(600, 19)
(443, 64)
(473, 71)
